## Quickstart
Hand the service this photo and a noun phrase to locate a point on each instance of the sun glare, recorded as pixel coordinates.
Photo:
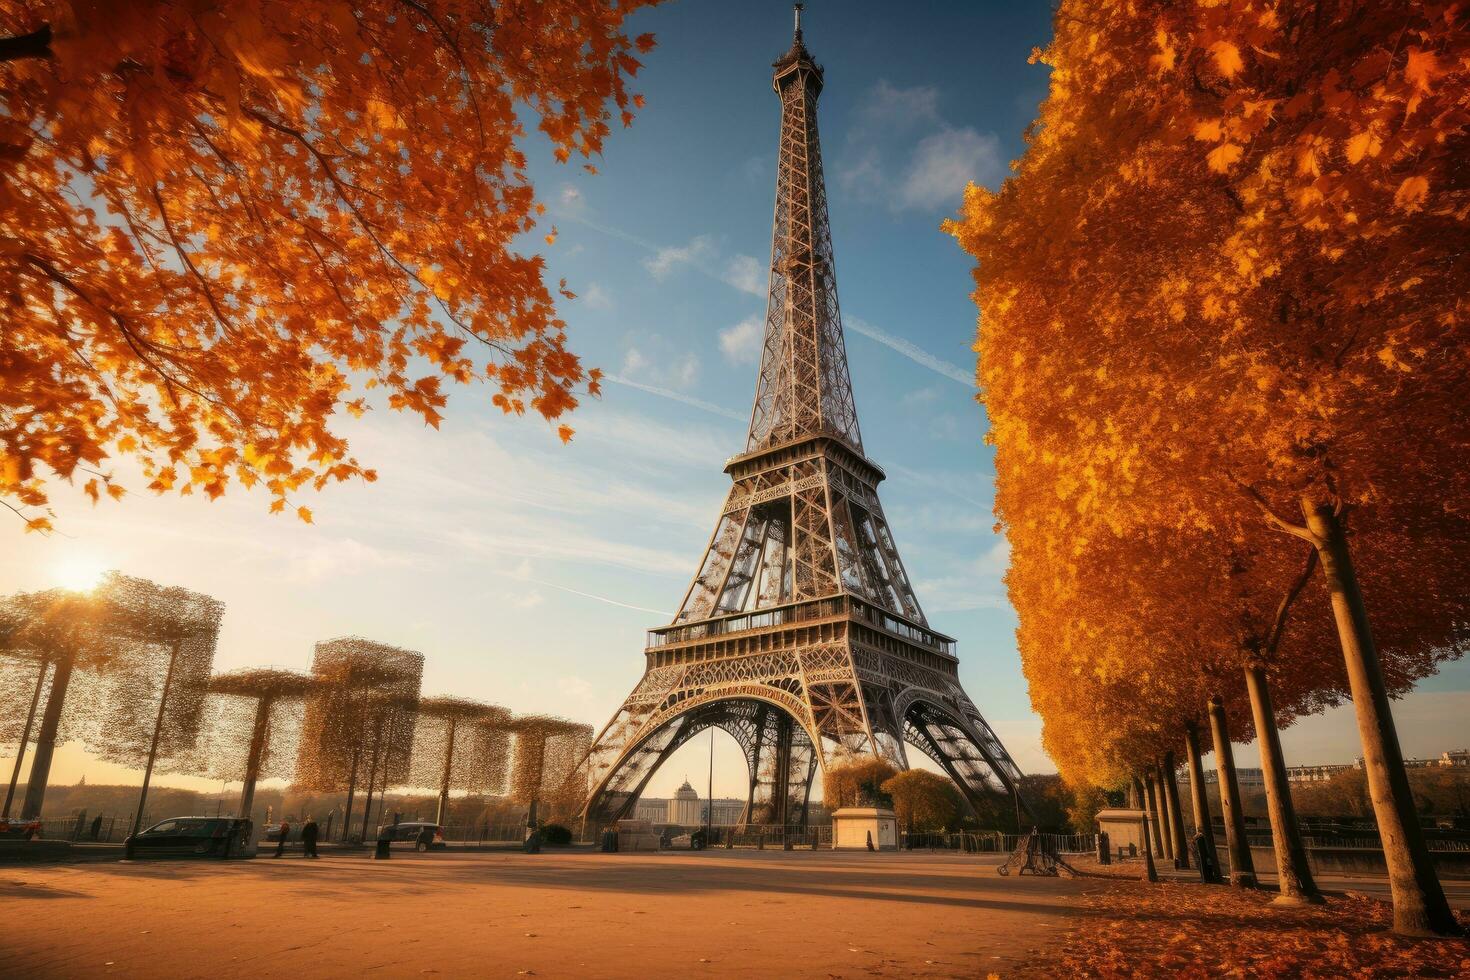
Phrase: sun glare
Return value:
(79, 572)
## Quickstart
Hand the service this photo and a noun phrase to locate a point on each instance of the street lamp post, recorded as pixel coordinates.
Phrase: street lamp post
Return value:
(709, 795)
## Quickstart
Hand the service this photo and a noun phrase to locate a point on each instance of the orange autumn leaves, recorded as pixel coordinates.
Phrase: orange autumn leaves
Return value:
(221, 228)
(1228, 272)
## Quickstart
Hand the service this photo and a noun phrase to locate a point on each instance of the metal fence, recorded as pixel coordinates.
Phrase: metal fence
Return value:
(996, 843)
(485, 833)
(1369, 843)
(101, 829)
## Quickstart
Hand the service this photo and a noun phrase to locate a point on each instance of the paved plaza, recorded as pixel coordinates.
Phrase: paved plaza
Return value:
(720, 913)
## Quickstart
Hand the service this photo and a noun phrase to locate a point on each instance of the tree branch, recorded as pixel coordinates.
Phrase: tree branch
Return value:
(1273, 639)
(1293, 529)
(36, 44)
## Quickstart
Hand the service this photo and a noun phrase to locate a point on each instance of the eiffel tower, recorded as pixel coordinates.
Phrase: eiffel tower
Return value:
(800, 635)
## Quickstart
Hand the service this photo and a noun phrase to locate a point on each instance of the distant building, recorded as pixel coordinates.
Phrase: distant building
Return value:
(685, 808)
(1246, 778)
(1314, 774)
(1454, 757)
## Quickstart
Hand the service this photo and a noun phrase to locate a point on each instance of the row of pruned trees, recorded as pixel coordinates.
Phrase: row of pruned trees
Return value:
(127, 670)
(1222, 352)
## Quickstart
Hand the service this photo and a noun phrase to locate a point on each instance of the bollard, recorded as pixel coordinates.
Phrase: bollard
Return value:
(609, 842)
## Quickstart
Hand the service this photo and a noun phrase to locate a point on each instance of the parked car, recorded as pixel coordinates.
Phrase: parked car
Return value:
(219, 837)
(24, 829)
(422, 835)
(273, 831)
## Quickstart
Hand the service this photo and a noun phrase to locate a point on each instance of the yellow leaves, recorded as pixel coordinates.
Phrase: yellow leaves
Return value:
(1223, 157)
(1165, 54)
(304, 513)
(565, 432)
(1227, 58)
(1208, 130)
(1364, 144)
(1421, 68)
(1411, 194)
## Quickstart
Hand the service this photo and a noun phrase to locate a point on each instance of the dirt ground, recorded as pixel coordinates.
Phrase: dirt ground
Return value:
(720, 913)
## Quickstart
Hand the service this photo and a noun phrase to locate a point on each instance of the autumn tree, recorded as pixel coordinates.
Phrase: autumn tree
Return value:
(252, 727)
(150, 705)
(856, 782)
(922, 800)
(358, 723)
(57, 632)
(222, 227)
(545, 761)
(1224, 278)
(455, 747)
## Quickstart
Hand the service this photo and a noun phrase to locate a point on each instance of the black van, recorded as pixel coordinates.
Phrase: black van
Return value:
(219, 837)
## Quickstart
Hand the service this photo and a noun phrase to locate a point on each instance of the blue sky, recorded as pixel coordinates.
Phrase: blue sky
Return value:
(526, 571)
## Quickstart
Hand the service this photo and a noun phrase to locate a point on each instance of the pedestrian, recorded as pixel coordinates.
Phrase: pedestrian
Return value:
(308, 838)
(281, 841)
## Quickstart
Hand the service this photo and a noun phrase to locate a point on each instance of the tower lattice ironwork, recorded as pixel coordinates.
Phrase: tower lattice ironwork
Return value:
(800, 634)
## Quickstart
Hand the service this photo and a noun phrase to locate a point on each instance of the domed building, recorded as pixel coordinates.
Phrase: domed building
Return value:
(685, 808)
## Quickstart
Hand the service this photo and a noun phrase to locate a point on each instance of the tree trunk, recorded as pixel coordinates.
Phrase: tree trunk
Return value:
(1151, 873)
(1176, 814)
(1203, 822)
(1419, 906)
(253, 760)
(168, 679)
(443, 811)
(372, 778)
(1242, 869)
(25, 736)
(30, 808)
(351, 791)
(1153, 813)
(1166, 828)
(1292, 871)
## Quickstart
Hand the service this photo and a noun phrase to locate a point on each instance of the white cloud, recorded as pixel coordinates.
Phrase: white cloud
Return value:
(912, 351)
(665, 260)
(525, 600)
(861, 173)
(920, 396)
(885, 106)
(634, 361)
(570, 197)
(596, 297)
(665, 370)
(677, 396)
(741, 343)
(872, 163)
(944, 162)
(745, 273)
(975, 584)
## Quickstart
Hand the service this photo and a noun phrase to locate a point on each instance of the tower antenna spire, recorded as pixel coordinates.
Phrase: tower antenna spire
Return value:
(797, 10)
